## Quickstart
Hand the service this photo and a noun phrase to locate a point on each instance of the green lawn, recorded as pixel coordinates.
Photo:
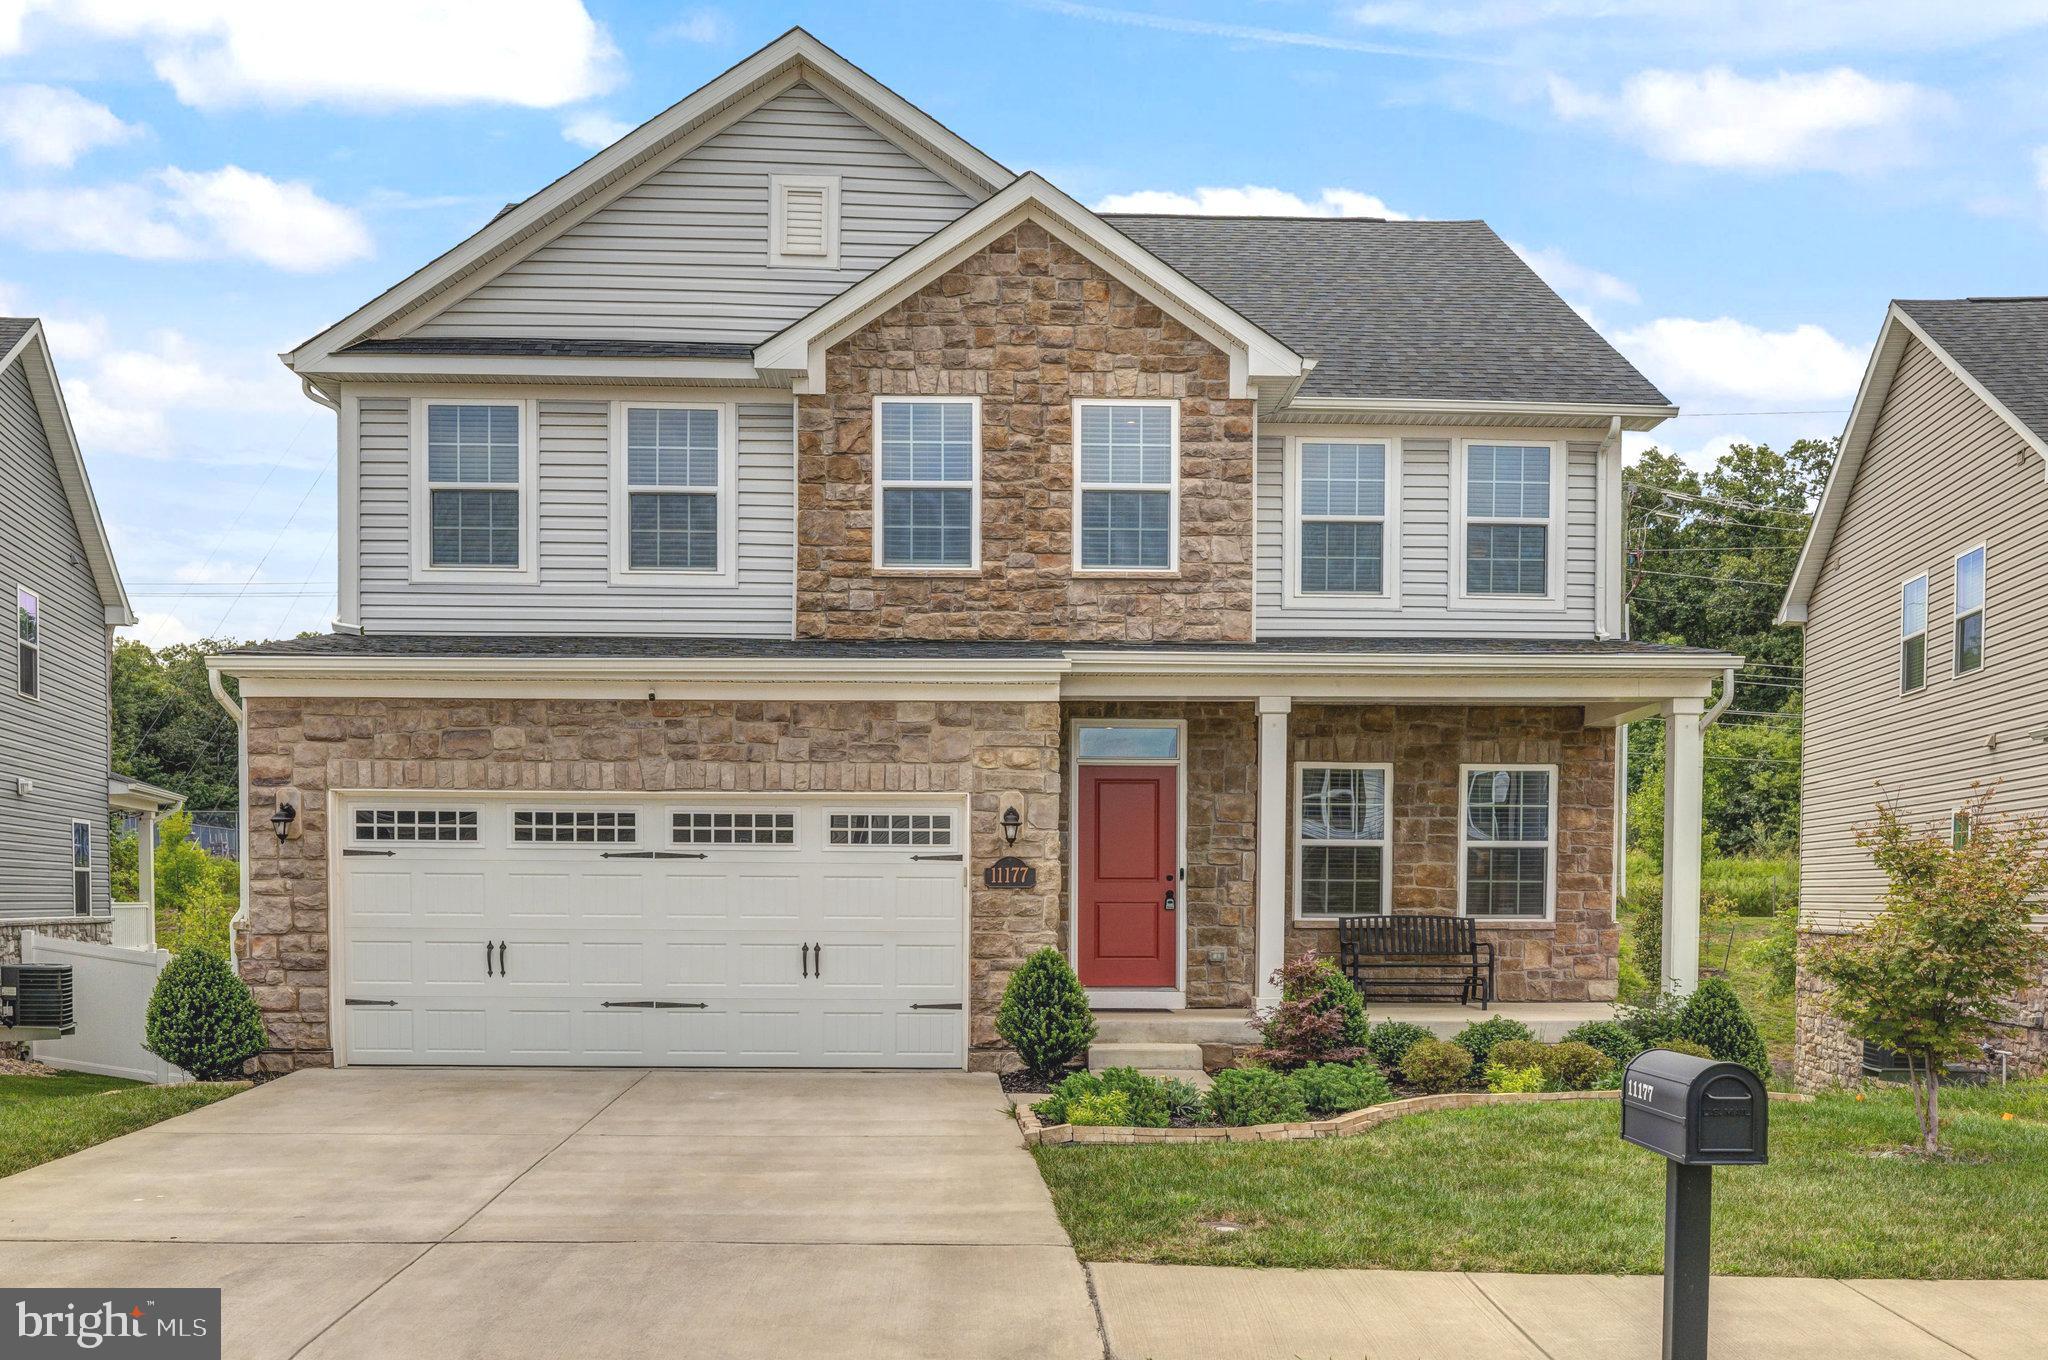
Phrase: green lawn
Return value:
(43, 1118)
(1551, 1188)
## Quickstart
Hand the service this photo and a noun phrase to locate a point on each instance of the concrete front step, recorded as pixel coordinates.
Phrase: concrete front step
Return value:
(1175, 1027)
(1146, 1057)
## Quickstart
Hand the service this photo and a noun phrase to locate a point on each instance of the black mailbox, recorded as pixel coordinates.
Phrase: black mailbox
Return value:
(1696, 1111)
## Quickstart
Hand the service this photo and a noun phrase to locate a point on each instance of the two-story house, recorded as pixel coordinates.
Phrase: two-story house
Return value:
(56, 782)
(752, 536)
(1920, 593)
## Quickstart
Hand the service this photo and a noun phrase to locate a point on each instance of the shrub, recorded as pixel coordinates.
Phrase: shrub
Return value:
(1610, 1038)
(196, 893)
(1479, 1037)
(1044, 1015)
(1646, 931)
(1516, 1080)
(1145, 1099)
(1520, 1053)
(1255, 1095)
(1650, 1023)
(1714, 1019)
(1184, 1101)
(1112, 1108)
(1390, 1041)
(202, 1018)
(1320, 1018)
(1336, 1088)
(1436, 1065)
(1574, 1066)
(1685, 1046)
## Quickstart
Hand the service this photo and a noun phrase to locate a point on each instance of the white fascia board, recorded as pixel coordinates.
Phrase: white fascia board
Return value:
(385, 367)
(794, 48)
(1592, 414)
(799, 348)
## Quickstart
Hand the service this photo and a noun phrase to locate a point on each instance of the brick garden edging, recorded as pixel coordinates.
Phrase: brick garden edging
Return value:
(1037, 1134)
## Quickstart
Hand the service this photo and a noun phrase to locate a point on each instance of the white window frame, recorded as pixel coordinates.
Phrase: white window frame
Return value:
(1902, 637)
(973, 486)
(77, 870)
(1958, 614)
(1461, 519)
(778, 190)
(35, 645)
(726, 573)
(528, 570)
(1292, 520)
(1466, 843)
(1301, 843)
(1172, 487)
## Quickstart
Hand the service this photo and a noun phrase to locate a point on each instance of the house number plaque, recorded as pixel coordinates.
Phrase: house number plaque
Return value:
(1010, 872)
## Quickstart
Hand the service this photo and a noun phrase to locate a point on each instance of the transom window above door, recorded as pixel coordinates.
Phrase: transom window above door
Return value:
(673, 472)
(928, 464)
(1341, 494)
(1509, 506)
(1126, 465)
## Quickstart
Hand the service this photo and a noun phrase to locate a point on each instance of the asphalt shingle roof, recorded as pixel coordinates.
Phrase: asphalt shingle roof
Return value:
(1398, 309)
(12, 328)
(546, 347)
(2001, 342)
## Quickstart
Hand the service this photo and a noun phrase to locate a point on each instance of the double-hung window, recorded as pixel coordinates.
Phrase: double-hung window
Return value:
(928, 463)
(81, 868)
(672, 470)
(1969, 611)
(1913, 635)
(28, 675)
(1341, 493)
(1508, 820)
(1126, 462)
(1340, 847)
(475, 474)
(1510, 504)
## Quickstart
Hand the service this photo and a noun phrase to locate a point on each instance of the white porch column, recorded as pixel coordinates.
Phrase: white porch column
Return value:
(145, 874)
(1272, 878)
(1682, 814)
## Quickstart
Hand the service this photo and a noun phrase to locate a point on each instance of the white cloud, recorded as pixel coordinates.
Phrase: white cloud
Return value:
(121, 397)
(700, 26)
(1700, 457)
(229, 213)
(1252, 200)
(1580, 283)
(46, 125)
(380, 54)
(1749, 26)
(1839, 119)
(159, 630)
(1725, 359)
(594, 130)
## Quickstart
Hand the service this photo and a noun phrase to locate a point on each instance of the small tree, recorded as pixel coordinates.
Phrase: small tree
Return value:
(202, 1017)
(1931, 973)
(1044, 1015)
(1320, 1018)
(196, 893)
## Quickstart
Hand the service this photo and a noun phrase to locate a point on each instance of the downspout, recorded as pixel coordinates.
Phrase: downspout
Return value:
(1721, 704)
(235, 711)
(316, 395)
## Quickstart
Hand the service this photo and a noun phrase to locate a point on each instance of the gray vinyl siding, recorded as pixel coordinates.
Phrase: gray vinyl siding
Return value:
(1427, 576)
(59, 741)
(684, 255)
(574, 593)
(1941, 473)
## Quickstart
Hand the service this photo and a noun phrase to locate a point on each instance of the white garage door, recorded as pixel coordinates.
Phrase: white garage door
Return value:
(719, 933)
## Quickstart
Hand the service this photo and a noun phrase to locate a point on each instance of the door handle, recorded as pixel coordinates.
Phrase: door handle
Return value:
(1169, 899)
(487, 960)
(806, 951)
(818, 959)
(503, 971)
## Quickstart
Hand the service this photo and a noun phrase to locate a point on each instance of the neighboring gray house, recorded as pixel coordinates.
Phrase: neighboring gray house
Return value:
(1923, 594)
(55, 694)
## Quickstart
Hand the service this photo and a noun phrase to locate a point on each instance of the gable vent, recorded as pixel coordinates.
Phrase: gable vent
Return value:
(804, 221)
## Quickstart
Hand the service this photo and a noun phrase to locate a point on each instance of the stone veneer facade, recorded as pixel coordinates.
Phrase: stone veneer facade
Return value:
(1027, 325)
(993, 752)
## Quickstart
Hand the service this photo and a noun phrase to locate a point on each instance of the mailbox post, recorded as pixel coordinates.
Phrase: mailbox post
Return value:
(1699, 1114)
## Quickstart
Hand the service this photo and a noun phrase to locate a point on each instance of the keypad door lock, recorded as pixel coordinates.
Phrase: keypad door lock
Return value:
(1169, 899)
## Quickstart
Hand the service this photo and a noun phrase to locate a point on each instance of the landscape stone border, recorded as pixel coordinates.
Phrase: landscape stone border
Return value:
(1039, 1134)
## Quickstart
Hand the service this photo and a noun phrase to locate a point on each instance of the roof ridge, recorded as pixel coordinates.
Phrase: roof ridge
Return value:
(1302, 217)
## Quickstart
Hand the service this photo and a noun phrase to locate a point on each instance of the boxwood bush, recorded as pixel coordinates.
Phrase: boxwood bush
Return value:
(1337, 1088)
(202, 1018)
(1255, 1095)
(1714, 1019)
(1610, 1038)
(1390, 1041)
(1044, 1015)
(1144, 1102)
(1479, 1037)
(1436, 1065)
(1574, 1066)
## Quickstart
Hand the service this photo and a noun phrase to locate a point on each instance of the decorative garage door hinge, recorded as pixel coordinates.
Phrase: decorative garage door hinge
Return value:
(351, 850)
(358, 1001)
(954, 858)
(935, 1005)
(654, 854)
(658, 1005)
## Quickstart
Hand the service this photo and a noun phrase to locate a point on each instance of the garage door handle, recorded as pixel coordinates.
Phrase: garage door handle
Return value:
(354, 1001)
(935, 1005)
(805, 954)
(503, 971)
(818, 959)
(954, 858)
(487, 959)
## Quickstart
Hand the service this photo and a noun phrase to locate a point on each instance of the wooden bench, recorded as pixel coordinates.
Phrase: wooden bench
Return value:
(1368, 945)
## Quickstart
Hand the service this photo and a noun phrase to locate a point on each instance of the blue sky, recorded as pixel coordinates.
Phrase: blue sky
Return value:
(1729, 189)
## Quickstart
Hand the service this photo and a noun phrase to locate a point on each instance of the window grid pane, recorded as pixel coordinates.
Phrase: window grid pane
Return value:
(927, 528)
(1127, 444)
(1507, 559)
(1343, 557)
(1507, 805)
(1970, 581)
(416, 824)
(1505, 881)
(1344, 479)
(928, 441)
(473, 444)
(733, 828)
(889, 828)
(1126, 529)
(667, 447)
(1913, 607)
(545, 826)
(1507, 481)
(1342, 880)
(672, 531)
(1343, 804)
(475, 528)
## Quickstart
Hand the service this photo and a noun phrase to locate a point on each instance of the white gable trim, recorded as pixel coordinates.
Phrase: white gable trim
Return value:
(795, 56)
(33, 351)
(1255, 356)
(1899, 330)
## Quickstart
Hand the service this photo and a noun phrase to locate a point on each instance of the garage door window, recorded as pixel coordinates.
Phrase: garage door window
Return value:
(552, 826)
(416, 824)
(884, 829)
(733, 828)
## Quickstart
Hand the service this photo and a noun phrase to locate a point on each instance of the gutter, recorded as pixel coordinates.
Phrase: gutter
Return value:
(1713, 714)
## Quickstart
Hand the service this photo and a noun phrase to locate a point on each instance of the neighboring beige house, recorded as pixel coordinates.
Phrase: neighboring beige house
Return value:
(1923, 594)
(752, 536)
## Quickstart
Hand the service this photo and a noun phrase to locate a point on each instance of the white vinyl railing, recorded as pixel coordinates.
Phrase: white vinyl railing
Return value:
(134, 925)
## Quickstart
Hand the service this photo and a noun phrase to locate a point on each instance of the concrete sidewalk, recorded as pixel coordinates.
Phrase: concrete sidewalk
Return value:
(1224, 1313)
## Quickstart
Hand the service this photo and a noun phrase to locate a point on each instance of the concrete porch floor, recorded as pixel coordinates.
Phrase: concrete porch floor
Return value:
(1549, 1020)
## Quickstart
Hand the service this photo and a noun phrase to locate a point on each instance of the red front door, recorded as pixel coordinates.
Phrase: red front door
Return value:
(1129, 890)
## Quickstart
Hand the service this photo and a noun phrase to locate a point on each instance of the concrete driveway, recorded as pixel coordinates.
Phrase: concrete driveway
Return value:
(368, 1213)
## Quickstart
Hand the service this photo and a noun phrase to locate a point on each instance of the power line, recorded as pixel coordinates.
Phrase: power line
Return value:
(1719, 500)
(1705, 415)
(1695, 576)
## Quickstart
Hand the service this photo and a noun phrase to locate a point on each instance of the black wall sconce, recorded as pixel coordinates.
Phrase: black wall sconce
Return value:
(1011, 824)
(281, 821)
